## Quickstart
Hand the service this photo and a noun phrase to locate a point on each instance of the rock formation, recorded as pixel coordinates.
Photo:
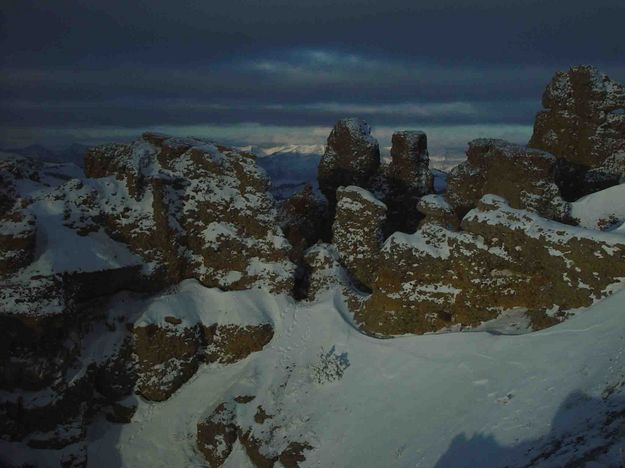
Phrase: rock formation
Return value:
(217, 433)
(325, 270)
(155, 212)
(352, 157)
(358, 231)
(502, 259)
(170, 342)
(583, 125)
(437, 211)
(525, 177)
(408, 178)
(193, 202)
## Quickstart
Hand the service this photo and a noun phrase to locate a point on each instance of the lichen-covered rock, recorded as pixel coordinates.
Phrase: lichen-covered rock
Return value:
(502, 259)
(191, 207)
(583, 124)
(352, 157)
(409, 166)
(170, 352)
(408, 178)
(357, 232)
(523, 176)
(438, 211)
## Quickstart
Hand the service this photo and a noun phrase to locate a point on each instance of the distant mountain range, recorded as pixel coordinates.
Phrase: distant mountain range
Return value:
(74, 153)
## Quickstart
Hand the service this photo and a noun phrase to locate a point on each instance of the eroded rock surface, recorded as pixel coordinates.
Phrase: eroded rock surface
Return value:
(192, 207)
(523, 176)
(583, 124)
(352, 157)
(357, 231)
(503, 258)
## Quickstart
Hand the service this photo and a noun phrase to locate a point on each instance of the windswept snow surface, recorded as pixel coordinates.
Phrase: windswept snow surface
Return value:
(457, 399)
(604, 209)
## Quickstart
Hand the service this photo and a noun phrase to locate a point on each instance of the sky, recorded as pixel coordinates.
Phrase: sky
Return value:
(283, 71)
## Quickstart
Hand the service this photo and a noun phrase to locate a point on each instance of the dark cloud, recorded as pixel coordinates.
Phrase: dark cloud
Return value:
(86, 63)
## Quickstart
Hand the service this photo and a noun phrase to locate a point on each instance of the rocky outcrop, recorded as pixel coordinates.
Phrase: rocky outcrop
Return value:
(169, 353)
(325, 270)
(167, 357)
(523, 176)
(172, 337)
(437, 211)
(408, 178)
(502, 259)
(17, 226)
(352, 157)
(304, 219)
(583, 125)
(183, 203)
(357, 232)
(217, 433)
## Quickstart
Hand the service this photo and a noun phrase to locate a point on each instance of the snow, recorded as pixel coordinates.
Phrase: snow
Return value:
(192, 303)
(60, 249)
(606, 206)
(348, 203)
(400, 402)
(535, 226)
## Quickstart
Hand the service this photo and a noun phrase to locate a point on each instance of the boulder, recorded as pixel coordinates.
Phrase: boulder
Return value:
(523, 176)
(357, 232)
(583, 125)
(352, 157)
(503, 258)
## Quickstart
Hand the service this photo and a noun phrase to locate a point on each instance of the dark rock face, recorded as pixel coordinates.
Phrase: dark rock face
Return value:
(358, 232)
(305, 219)
(502, 259)
(525, 177)
(583, 125)
(352, 157)
(408, 178)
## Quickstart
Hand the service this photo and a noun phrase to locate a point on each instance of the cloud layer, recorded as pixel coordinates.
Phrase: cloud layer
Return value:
(76, 67)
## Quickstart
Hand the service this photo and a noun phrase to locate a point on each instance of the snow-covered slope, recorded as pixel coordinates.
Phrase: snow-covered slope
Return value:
(463, 399)
(459, 399)
(603, 210)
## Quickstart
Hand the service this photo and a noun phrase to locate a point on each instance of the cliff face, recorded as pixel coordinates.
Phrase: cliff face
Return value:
(583, 125)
